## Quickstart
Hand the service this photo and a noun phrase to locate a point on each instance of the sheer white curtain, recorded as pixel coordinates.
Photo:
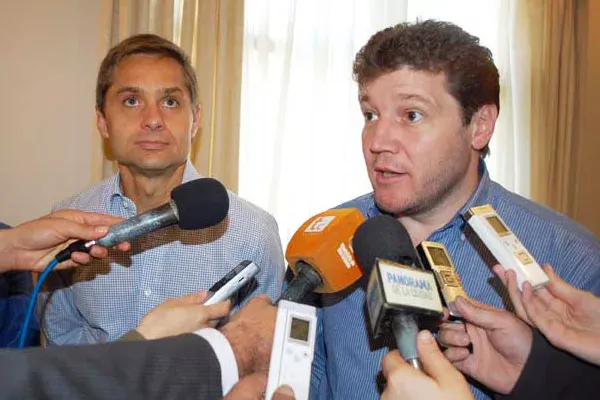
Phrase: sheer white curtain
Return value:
(300, 150)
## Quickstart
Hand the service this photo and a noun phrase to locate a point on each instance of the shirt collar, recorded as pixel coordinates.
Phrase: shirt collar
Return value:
(115, 189)
(478, 197)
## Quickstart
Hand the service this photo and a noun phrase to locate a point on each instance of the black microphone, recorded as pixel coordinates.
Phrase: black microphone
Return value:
(397, 292)
(196, 204)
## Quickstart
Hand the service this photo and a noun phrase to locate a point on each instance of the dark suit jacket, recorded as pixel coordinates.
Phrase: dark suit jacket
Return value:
(182, 367)
(15, 292)
(550, 373)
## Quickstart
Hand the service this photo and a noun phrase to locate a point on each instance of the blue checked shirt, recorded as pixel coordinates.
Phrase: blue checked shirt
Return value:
(102, 301)
(348, 359)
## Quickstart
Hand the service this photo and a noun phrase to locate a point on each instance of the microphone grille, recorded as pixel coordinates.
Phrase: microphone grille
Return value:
(384, 237)
(201, 203)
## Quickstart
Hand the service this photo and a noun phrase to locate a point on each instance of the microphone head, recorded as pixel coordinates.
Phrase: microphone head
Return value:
(383, 237)
(200, 203)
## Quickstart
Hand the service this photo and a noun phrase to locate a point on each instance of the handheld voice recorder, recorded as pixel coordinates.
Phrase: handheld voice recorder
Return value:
(436, 258)
(505, 246)
(293, 348)
(232, 282)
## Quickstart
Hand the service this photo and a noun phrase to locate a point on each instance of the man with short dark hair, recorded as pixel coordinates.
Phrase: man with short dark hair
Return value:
(147, 111)
(429, 93)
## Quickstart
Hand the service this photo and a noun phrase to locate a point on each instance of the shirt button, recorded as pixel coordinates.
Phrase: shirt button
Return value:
(147, 292)
(462, 237)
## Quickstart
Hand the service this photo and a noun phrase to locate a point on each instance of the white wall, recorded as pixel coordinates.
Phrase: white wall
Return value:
(48, 62)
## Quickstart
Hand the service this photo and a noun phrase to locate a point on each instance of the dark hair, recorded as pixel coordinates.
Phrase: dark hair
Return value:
(143, 44)
(437, 47)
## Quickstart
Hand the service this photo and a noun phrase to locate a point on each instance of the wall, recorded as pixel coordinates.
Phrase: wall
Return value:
(49, 57)
(587, 196)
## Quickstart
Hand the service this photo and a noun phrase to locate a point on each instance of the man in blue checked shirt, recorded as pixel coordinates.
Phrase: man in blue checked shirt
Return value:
(429, 93)
(148, 112)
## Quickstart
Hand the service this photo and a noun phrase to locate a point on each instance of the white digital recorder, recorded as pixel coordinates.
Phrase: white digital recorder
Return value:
(505, 246)
(293, 348)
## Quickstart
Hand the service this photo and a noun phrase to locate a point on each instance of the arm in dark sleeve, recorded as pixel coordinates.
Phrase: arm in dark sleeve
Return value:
(551, 373)
(180, 367)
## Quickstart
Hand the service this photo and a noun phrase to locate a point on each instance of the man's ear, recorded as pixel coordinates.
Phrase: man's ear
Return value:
(196, 115)
(101, 124)
(482, 126)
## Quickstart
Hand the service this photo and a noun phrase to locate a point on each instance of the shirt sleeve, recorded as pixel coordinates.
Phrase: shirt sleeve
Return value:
(225, 355)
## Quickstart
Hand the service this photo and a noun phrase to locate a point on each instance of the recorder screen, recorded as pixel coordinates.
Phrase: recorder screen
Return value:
(299, 329)
(498, 225)
(439, 256)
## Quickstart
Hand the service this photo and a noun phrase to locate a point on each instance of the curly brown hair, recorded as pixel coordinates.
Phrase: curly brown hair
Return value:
(437, 47)
(146, 43)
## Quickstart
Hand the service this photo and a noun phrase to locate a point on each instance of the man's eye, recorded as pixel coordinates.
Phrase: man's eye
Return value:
(370, 116)
(131, 102)
(171, 103)
(413, 116)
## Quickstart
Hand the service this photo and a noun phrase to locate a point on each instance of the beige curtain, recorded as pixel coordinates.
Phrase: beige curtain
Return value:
(554, 139)
(211, 32)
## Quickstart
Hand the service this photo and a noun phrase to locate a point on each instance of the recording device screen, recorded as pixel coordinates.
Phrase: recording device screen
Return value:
(299, 329)
(498, 225)
(439, 257)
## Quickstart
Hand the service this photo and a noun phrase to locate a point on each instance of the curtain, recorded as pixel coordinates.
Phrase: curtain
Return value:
(301, 122)
(554, 141)
(211, 33)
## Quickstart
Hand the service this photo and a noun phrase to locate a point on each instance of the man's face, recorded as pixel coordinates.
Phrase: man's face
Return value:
(416, 149)
(149, 120)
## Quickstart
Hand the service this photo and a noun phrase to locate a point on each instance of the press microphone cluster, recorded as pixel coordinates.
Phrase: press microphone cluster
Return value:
(397, 292)
(197, 204)
(320, 254)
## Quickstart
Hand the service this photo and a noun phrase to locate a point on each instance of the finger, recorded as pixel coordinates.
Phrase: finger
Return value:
(80, 258)
(124, 247)
(456, 354)
(453, 326)
(251, 387)
(450, 338)
(500, 272)
(516, 297)
(84, 217)
(483, 316)
(560, 288)
(284, 392)
(201, 296)
(537, 310)
(217, 310)
(96, 252)
(390, 362)
(434, 362)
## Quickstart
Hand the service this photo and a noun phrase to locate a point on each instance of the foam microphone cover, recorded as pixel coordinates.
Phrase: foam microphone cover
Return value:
(382, 236)
(200, 203)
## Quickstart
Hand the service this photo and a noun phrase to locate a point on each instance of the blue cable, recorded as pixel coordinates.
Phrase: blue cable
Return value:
(34, 296)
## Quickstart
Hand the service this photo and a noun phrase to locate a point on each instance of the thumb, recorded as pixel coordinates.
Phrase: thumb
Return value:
(251, 387)
(284, 392)
(479, 314)
(434, 362)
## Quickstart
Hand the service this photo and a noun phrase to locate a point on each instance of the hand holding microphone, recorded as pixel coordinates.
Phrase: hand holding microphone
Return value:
(568, 317)
(196, 204)
(440, 380)
(32, 245)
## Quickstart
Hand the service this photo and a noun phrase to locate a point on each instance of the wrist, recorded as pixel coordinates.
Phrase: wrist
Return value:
(6, 253)
(244, 356)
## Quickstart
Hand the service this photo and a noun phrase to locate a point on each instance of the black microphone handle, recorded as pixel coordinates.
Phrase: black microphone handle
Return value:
(305, 281)
(405, 330)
